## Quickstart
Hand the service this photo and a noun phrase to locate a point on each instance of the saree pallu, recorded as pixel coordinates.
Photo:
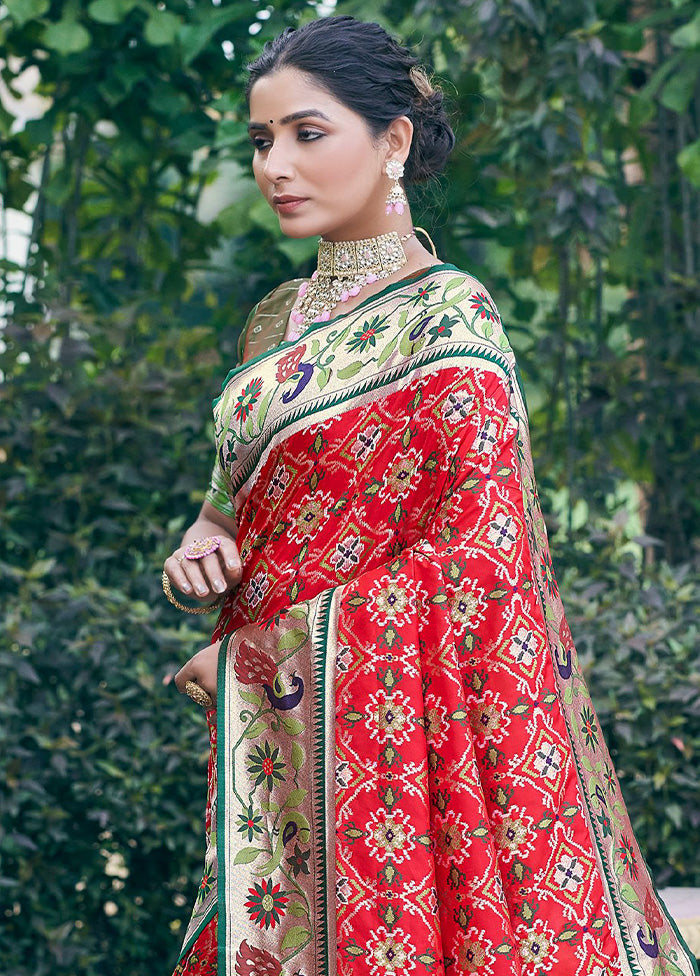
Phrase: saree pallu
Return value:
(407, 772)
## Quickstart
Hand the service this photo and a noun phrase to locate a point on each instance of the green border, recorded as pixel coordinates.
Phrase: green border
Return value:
(319, 663)
(220, 803)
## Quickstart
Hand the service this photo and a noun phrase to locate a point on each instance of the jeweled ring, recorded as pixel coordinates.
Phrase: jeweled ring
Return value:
(202, 547)
(198, 694)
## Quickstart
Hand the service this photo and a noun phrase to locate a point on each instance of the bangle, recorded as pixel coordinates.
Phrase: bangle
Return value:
(181, 606)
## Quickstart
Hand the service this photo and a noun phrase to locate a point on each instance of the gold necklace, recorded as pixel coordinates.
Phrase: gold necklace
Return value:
(343, 270)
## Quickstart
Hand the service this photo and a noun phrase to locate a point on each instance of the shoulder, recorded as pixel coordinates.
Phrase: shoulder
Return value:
(267, 321)
(447, 285)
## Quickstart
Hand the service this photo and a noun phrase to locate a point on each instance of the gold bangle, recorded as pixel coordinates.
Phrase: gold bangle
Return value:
(198, 694)
(181, 606)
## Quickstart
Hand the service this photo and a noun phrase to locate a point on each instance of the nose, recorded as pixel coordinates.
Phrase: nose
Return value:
(278, 164)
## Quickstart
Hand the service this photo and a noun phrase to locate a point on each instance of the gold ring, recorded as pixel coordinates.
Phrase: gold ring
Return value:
(198, 694)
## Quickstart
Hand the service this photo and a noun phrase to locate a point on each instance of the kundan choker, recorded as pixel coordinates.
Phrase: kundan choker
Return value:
(344, 268)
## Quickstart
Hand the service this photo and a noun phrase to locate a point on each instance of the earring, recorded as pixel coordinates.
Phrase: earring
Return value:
(396, 201)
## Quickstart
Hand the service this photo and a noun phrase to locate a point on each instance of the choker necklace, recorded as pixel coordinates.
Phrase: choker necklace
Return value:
(343, 270)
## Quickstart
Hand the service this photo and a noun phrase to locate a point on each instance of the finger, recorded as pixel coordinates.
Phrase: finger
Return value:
(199, 584)
(185, 674)
(177, 575)
(231, 559)
(213, 573)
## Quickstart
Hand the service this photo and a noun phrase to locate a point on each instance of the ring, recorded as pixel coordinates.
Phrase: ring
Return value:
(180, 560)
(198, 694)
(202, 547)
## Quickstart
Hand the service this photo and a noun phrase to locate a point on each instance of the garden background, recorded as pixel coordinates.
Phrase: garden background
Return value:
(133, 245)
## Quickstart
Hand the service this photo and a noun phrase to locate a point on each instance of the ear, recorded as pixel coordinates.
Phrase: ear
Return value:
(398, 138)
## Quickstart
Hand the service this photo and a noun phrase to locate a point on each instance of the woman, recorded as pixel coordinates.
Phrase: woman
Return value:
(410, 775)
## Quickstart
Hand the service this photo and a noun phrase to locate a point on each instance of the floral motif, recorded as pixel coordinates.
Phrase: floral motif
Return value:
(247, 399)
(443, 329)
(278, 482)
(523, 646)
(366, 442)
(390, 717)
(251, 961)
(627, 856)
(486, 438)
(288, 365)
(367, 334)
(503, 531)
(250, 823)
(390, 954)
(548, 760)
(257, 588)
(205, 885)
(299, 861)
(253, 665)
(482, 304)
(456, 408)
(266, 903)
(568, 874)
(510, 834)
(310, 517)
(548, 574)
(399, 476)
(347, 554)
(590, 728)
(471, 956)
(264, 763)
(463, 606)
(392, 601)
(536, 947)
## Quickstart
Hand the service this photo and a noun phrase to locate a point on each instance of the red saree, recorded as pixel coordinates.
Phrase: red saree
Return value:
(411, 777)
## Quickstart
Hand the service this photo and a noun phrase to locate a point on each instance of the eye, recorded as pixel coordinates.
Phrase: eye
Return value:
(260, 143)
(310, 135)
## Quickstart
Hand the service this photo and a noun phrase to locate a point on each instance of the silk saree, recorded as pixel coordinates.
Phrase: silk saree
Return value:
(407, 771)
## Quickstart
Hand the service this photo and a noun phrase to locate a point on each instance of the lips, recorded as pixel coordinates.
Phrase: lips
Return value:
(286, 203)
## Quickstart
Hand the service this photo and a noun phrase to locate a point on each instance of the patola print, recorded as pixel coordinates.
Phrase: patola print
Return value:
(411, 777)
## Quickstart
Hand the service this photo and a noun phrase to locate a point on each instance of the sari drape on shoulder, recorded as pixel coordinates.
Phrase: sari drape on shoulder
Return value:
(409, 775)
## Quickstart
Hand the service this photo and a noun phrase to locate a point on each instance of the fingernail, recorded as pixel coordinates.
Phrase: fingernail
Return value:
(232, 564)
(201, 589)
(186, 587)
(219, 586)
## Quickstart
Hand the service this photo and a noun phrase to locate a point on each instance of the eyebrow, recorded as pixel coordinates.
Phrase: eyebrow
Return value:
(294, 117)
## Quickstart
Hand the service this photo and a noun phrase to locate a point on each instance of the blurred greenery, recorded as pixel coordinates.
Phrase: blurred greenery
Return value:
(573, 194)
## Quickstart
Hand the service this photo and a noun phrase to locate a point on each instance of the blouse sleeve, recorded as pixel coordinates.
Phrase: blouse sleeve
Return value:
(217, 493)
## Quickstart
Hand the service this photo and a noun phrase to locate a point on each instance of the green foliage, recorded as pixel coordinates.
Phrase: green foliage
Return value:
(570, 193)
(639, 633)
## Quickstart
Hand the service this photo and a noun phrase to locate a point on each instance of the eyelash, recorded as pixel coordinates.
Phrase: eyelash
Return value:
(261, 144)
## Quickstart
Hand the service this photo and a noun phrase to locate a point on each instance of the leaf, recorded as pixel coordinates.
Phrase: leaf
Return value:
(292, 726)
(352, 370)
(251, 698)
(66, 37)
(689, 34)
(629, 894)
(298, 908)
(247, 854)
(254, 730)
(291, 639)
(295, 797)
(161, 28)
(297, 935)
(110, 11)
(297, 756)
(22, 11)
(689, 162)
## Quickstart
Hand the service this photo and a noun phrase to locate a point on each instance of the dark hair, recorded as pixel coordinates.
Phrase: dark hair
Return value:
(366, 69)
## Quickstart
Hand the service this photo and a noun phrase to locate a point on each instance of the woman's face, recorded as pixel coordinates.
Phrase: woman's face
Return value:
(315, 160)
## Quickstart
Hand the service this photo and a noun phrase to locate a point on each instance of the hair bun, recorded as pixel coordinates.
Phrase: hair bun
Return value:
(433, 138)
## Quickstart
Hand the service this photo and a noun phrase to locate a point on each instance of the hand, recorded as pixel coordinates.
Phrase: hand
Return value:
(201, 668)
(207, 577)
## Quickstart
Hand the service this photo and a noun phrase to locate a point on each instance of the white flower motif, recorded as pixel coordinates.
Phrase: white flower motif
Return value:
(548, 761)
(347, 554)
(486, 439)
(278, 482)
(568, 874)
(503, 531)
(366, 442)
(523, 646)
